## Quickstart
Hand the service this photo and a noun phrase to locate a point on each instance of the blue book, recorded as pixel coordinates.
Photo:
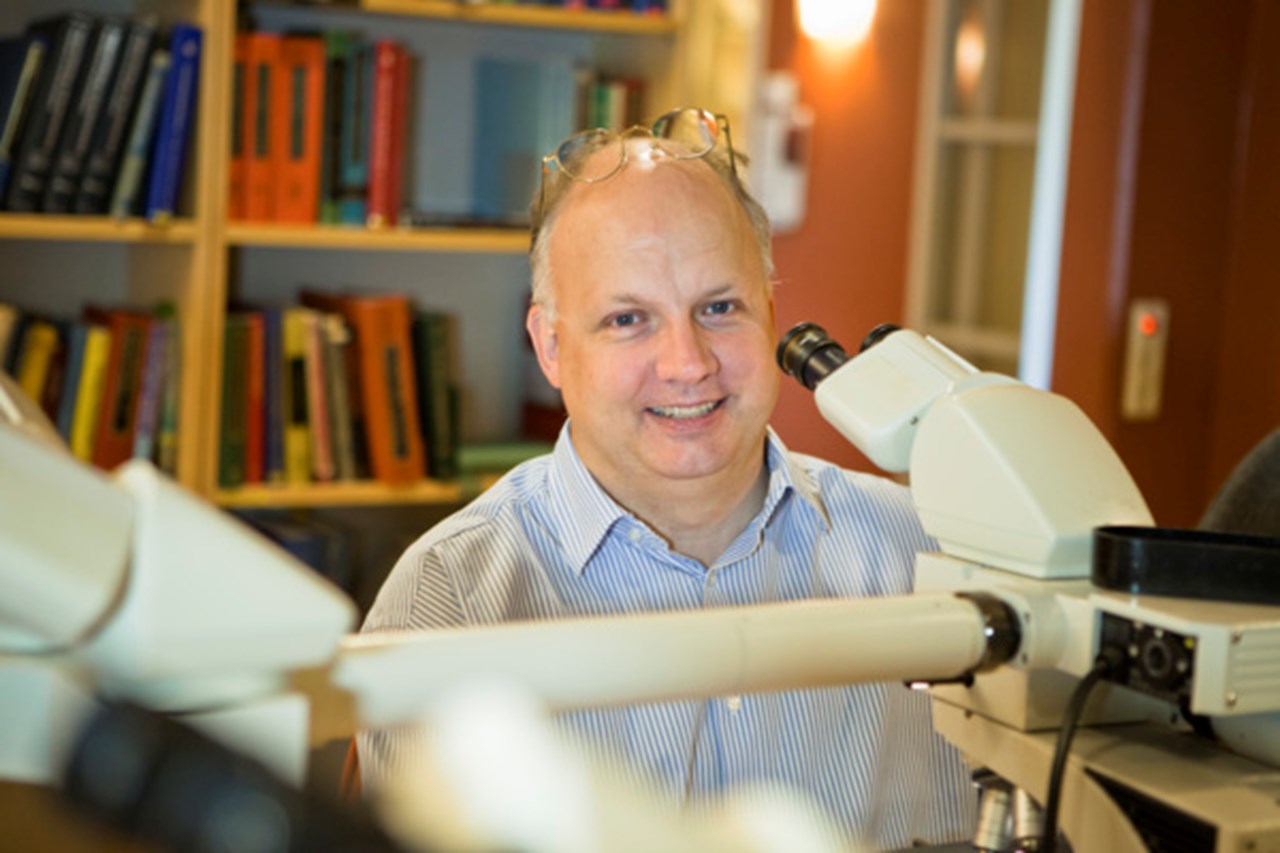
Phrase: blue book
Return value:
(173, 128)
(524, 108)
(20, 61)
(353, 148)
(76, 336)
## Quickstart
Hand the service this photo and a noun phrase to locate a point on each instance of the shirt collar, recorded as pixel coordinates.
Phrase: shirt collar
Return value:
(594, 513)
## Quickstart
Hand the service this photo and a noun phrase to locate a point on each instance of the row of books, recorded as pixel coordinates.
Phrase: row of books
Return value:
(319, 129)
(340, 387)
(96, 115)
(109, 381)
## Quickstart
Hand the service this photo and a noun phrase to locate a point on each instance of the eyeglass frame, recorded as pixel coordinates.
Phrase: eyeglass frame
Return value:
(721, 122)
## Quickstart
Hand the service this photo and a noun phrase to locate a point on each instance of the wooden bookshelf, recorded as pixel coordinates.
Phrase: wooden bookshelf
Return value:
(201, 261)
(486, 240)
(503, 14)
(14, 226)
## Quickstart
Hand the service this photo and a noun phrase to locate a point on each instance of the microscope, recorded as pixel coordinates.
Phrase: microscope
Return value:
(1053, 625)
(1177, 632)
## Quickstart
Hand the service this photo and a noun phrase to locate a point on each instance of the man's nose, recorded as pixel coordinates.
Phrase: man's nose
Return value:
(685, 353)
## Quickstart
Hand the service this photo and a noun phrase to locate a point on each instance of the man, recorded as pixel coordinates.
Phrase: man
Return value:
(653, 314)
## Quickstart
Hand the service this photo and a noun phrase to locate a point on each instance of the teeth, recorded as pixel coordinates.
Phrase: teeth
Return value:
(683, 412)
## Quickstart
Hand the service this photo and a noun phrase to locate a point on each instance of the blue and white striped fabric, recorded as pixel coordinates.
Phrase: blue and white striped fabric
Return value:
(547, 543)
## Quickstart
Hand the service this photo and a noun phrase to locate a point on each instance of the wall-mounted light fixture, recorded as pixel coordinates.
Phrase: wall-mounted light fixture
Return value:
(835, 22)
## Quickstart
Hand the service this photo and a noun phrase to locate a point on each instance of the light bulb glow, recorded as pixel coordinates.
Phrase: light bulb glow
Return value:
(836, 21)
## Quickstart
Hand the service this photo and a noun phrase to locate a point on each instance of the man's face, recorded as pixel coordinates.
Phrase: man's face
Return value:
(663, 336)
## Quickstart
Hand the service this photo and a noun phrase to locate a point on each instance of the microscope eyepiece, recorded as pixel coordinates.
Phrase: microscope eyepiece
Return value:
(809, 354)
(878, 334)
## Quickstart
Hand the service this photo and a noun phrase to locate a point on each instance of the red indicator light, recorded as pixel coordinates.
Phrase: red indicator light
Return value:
(1148, 324)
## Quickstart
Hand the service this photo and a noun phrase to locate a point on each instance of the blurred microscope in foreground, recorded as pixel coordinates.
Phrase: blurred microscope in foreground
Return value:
(1025, 623)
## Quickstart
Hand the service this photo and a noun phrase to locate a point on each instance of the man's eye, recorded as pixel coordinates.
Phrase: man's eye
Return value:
(622, 321)
(720, 306)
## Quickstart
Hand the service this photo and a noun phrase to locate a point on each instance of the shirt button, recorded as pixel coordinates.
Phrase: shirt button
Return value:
(733, 703)
(634, 534)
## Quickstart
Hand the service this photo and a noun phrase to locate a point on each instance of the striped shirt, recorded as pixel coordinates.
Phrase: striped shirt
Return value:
(547, 542)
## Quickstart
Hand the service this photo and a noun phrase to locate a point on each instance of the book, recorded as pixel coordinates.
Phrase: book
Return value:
(353, 149)
(337, 339)
(96, 79)
(237, 203)
(381, 208)
(122, 383)
(10, 315)
(128, 183)
(21, 58)
(106, 149)
(322, 466)
(302, 63)
(380, 327)
(77, 334)
(231, 437)
(297, 428)
(437, 392)
(67, 37)
(153, 381)
(337, 44)
(40, 340)
(173, 127)
(273, 396)
(261, 56)
(89, 392)
(166, 456)
(523, 108)
(255, 392)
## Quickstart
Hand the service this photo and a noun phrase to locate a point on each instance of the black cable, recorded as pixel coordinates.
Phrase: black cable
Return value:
(1108, 661)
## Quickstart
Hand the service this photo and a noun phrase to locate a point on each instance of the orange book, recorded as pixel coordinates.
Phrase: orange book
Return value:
(118, 410)
(300, 128)
(387, 386)
(262, 52)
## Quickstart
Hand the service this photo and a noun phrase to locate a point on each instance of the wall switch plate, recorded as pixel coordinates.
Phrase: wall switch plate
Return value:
(1146, 343)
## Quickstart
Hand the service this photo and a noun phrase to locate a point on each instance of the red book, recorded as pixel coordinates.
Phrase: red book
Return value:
(380, 327)
(118, 411)
(261, 93)
(300, 129)
(381, 132)
(399, 132)
(255, 433)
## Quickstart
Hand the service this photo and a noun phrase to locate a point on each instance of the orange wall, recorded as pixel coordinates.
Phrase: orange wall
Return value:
(846, 266)
(1172, 192)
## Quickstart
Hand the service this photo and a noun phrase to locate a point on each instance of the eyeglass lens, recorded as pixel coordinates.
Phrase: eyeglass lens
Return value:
(694, 132)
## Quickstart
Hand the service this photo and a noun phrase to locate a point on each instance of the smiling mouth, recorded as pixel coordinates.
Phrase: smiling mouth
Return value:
(685, 413)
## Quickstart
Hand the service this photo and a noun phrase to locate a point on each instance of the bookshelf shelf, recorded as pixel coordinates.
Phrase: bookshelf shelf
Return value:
(348, 493)
(486, 240)
(622, 23)
(93, 229)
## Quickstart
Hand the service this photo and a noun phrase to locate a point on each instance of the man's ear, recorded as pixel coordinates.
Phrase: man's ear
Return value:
(542, 333)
